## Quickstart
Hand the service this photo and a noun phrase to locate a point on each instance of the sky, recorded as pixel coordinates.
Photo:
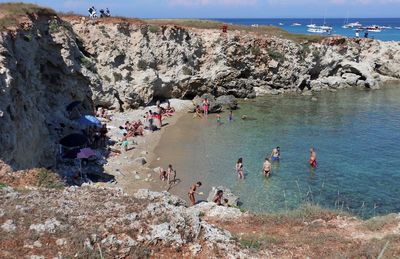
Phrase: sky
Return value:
(233, 8)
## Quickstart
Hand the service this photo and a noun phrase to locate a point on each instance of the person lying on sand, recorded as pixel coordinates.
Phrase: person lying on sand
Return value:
(192, 191)
(218, 197)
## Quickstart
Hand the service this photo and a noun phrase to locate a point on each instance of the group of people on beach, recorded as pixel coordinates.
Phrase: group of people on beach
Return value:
(152, 121)
(168, 175)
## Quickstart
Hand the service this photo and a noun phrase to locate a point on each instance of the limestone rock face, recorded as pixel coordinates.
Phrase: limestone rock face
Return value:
(120, 65)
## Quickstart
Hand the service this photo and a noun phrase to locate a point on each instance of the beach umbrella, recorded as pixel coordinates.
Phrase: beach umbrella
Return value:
(89, 120)
(74, 140)
(72, 105)
(86, 153)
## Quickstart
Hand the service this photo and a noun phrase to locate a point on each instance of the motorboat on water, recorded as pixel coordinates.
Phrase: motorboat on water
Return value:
(319, 30)
(352, 25)
(296, 24)
(374, 28)
(281, 24)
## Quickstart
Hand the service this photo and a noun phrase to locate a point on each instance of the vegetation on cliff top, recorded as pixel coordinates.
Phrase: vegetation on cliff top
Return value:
(11, 13)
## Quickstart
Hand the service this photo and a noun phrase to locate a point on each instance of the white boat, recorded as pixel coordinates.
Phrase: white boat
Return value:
(386, 27)
(281, 24)
(397, 28)
(317, 30)
(296, 24)
(327, 28)
(352, 25)
(254, 25)
(312, 25)
(374, 28)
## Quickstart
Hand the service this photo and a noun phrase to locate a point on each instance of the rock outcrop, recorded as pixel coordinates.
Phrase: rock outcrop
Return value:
(48, 63)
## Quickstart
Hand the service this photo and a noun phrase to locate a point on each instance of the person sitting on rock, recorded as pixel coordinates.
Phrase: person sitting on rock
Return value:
(198, 113)
(218, 197)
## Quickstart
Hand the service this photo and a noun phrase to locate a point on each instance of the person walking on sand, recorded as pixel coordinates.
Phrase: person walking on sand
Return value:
(266, 168)
(275, 154)
(313, 158)
(192, 191)
(239, 168)
(206, 106)
(171, 174)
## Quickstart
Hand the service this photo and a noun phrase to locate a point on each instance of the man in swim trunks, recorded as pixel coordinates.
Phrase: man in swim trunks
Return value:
(266, 168)
(192, 191)
(275, 154)
(313, 158)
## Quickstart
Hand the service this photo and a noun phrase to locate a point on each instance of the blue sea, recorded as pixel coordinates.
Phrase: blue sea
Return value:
(392, 34)
(356, 134)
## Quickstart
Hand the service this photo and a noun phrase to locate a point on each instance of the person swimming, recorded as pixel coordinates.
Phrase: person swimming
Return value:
(313, 158)
(275, 154)
(266, 168)
(239, 168)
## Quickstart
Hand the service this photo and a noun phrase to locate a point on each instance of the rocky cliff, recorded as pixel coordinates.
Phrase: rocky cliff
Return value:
(49, 62)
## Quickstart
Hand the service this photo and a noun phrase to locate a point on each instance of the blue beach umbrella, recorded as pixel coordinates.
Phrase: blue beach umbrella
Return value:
(89, 120)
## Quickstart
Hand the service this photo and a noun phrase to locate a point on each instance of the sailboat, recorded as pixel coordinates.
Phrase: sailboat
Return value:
(350, 25)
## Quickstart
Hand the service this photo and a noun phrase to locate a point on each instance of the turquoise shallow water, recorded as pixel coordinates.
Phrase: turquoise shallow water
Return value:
(356, 134)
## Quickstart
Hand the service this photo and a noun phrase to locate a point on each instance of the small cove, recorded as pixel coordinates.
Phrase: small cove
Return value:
(355, 132)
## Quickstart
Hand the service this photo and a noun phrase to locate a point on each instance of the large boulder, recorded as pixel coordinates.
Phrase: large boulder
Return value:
(233, 200)
(228, 101)
(214, 106)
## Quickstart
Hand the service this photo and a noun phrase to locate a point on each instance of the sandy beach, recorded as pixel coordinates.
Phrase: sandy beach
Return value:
(130, 174)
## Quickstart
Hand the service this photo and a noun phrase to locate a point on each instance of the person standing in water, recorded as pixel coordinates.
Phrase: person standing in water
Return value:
(313, 158)
(206, 106)
(266, 168)
(275, 154)
(230, 118)
(239, 168)
(192, 191)
(219, 122)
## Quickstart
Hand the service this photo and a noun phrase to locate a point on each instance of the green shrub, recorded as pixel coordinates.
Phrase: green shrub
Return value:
(154, 28)
(186, 71)
(255, 50)
(88, 64)
(117, 76)
(276, 55)
(49, 179)
(3, 185)
(142, 64)
(108, 79)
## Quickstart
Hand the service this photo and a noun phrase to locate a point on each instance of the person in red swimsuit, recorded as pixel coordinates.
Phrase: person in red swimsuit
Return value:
(313, 158)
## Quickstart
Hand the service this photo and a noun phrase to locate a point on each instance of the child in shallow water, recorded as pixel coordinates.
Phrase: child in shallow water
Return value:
(219, 122)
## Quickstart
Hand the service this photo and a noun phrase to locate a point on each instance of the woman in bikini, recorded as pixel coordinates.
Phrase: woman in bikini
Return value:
(239, 168)
(313, 158)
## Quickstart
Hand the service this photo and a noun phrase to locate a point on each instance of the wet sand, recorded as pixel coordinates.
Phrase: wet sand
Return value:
(130, 175)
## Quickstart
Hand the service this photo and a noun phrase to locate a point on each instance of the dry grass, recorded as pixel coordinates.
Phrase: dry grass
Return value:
(379, 223)
(11, 13)
(265, 30)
